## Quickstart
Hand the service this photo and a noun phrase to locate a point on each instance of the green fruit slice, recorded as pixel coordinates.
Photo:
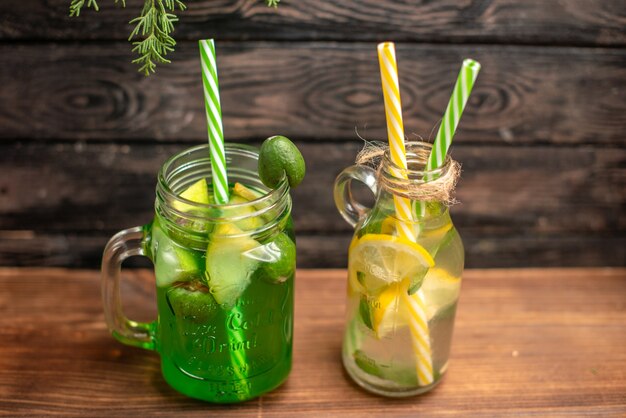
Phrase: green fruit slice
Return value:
(245, 192)
(416, 280)
(366, 364)
(278, 158)
(192, 301)
(197, 192)
(173, 262)
(278, 259)
(228, 267)
(249, 222)
(365, 312)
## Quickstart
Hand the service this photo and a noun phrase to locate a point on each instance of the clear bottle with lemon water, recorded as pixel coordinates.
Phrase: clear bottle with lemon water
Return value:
(402, 291)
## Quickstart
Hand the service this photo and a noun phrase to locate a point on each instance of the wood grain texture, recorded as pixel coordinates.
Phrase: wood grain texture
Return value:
(571, 22)
(324, 250)
(517, 350)
(519, 206)
(312, 91)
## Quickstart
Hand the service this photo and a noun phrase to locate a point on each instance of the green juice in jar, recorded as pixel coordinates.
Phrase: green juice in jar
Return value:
(225, 309)
(224, 272)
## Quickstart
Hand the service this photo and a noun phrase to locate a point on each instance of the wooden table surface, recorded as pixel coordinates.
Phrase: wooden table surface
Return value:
(539, 342)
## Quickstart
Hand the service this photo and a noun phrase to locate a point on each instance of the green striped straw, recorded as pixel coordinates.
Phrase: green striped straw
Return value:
(214, 120)
(220, 177)
(456, 105)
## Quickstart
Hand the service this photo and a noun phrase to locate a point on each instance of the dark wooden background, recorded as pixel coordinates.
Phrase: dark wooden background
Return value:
(542, 144)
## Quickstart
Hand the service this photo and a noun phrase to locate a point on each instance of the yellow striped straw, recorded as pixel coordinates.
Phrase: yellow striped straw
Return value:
(395, 129)
(418, 323)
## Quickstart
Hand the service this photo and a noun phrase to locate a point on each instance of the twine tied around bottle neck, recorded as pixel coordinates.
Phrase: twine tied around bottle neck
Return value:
(440, 188)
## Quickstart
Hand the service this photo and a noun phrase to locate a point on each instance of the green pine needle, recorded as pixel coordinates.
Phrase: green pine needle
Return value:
(154, 26)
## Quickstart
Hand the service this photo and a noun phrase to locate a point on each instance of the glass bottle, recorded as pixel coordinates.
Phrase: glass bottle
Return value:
(402, 293)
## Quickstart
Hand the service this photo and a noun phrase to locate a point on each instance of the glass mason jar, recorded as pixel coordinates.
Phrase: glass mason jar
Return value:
(224, 281)
(402, 293)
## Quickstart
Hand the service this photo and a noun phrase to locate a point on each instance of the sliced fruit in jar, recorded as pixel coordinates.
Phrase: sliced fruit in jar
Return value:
(386, 313)
(245, 192)
(383, 313)
(367, 364)
(415, 281)
(228, 267)
(192, 301)
(385, 259)
(244, 215)
(197, 222)
(173, 262)
(441, 290)
(197, 192)
(365, 312)
(434, 239)
(388, 226)
(277, 259)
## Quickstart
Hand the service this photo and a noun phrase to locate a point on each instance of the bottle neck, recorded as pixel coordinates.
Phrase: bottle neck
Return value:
(415, 183)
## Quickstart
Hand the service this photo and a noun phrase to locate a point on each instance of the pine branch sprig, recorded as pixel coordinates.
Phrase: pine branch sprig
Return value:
(155, 25)
(77, 5)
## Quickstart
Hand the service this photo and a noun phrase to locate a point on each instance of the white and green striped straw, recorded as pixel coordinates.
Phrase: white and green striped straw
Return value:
(456, 105)
(214, 120)
(218, 166)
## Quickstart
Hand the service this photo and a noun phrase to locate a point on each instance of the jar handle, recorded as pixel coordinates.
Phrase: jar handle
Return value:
(351, 210)
(122, 245)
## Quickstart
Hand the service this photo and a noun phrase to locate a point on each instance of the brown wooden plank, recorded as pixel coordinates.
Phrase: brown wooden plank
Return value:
(579, 22)
(504, 191)
(326, 250)
(538, 206)
(517, 349)
(312, 91)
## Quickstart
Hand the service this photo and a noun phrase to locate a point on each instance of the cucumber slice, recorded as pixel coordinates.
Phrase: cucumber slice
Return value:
(228, 267)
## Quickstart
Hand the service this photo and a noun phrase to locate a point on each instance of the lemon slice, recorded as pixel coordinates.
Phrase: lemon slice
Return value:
(384, 259)
(434, 239)
(387, 313)
(388, 226)
(441, 289)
